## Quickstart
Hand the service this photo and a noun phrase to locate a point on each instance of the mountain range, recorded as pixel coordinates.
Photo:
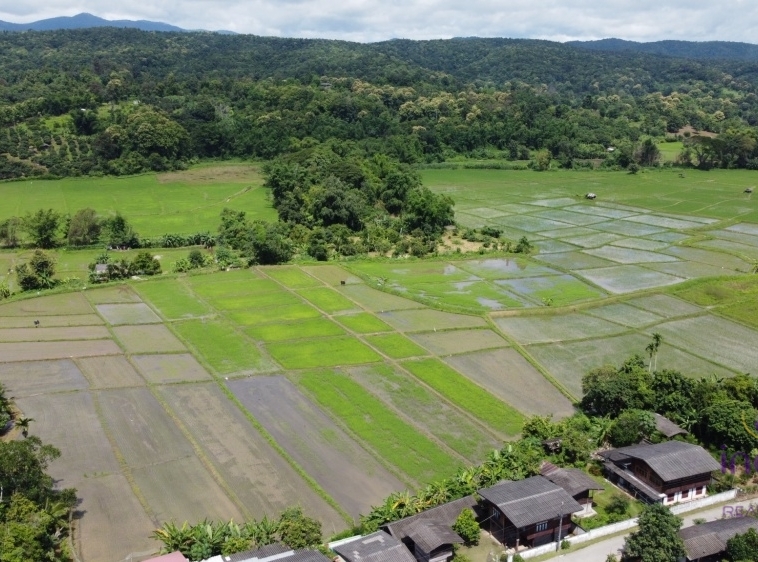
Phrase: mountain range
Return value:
(84, 21)
(705, 50)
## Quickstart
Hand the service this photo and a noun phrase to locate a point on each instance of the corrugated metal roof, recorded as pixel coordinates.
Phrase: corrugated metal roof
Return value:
(667, 427)
(671, 460)
(376, 547)
(573, 480)
(532, 500)
(429, 535)
(444, 514)
(710, 538)
(276, 553)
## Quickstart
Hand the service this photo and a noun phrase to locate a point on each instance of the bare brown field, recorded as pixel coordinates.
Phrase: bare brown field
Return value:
(109, 372)
(132, 313)
(264, 482)
(113, 294)
(143, 431)
(332, 274)
(510, 377)
(150, 338)
(50, 321)
(458, 341)
(345, 470)
(41, 351)
(85, 449)
(53, 305)
(213, 174)
(54, 334)
(29, 378)
(376, 300)
(428, 319)
(160, 369)
(183, 490)
(109, 504)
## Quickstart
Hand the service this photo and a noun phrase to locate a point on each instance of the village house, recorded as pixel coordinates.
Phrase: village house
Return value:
(668, 428)
(376, 547)
(667, 472)
(707, 542)
(429, 535)
(578, 484)
(529, 512)
(274, 552)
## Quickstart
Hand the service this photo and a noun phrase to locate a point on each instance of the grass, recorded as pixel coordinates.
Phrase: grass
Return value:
(172, 298)
(155, 204)
(222, 347)
(327, 299)
(363, 323)
(461, 391)
(292, 277)
(230, 284)
(396, 346)
(322, 352)
(284, 313)
(736, 298)
(430, 414)
(310, 328)
(256, 300)
(717, 193)
(394, 440)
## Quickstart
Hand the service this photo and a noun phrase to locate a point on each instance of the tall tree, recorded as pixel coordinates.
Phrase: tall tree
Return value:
(42, 227)
(657, 539)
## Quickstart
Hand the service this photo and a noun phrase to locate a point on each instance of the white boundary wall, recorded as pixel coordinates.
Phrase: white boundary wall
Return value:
(627, 524)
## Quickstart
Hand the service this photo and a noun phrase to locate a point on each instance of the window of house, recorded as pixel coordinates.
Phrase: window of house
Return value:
(542, 526)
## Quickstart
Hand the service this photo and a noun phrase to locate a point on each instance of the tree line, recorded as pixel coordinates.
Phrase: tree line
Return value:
(34, 516)
(74, 104)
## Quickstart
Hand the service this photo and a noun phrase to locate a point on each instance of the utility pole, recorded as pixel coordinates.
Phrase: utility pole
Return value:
(560, 527)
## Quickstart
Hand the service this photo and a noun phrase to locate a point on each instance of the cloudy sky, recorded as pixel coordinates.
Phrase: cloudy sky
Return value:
(372, 20)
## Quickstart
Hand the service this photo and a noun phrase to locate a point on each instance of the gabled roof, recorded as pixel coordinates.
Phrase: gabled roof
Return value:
(530, 501)
(710, 538)
(173, 557)
(667, 427)
(444, 514)
(376, 547)
(573, 480)
(671, 460)
(272, 553)
(428, 535)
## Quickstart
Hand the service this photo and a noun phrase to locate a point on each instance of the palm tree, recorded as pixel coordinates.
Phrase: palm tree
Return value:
(657, 339)
(23, 423)
(650, 350)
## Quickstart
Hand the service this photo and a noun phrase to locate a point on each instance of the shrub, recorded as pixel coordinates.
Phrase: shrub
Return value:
(5, 290)
(467, 527)
(145, 263)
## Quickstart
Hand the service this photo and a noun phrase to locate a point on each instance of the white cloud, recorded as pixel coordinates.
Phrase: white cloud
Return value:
(364, 20)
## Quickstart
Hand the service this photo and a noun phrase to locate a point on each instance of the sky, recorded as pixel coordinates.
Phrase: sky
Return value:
(373, 20)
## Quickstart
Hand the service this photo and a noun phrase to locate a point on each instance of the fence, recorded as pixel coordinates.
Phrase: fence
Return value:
(614, 528)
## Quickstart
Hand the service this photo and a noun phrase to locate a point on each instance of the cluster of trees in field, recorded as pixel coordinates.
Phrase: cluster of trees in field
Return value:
(34, 516)
(48, 228)
(206, 539)
(332, 202)
(74, 103)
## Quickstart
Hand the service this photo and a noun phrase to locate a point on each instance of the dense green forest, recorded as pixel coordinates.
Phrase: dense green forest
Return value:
(119, 101)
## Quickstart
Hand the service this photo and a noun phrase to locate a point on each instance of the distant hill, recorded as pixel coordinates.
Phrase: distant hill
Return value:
(706, 50)
(82, 21)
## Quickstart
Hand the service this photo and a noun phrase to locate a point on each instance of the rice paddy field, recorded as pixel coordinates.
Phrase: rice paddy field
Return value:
(237, 394)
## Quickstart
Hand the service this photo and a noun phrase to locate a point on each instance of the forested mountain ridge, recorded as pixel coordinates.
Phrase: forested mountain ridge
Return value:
(122, 100)
(85, 20)
(705, 50)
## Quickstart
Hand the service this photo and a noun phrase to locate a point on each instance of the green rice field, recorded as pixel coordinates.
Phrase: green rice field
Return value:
(333, 385)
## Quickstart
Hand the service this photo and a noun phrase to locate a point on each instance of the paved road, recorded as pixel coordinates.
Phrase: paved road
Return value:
(599, 551)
